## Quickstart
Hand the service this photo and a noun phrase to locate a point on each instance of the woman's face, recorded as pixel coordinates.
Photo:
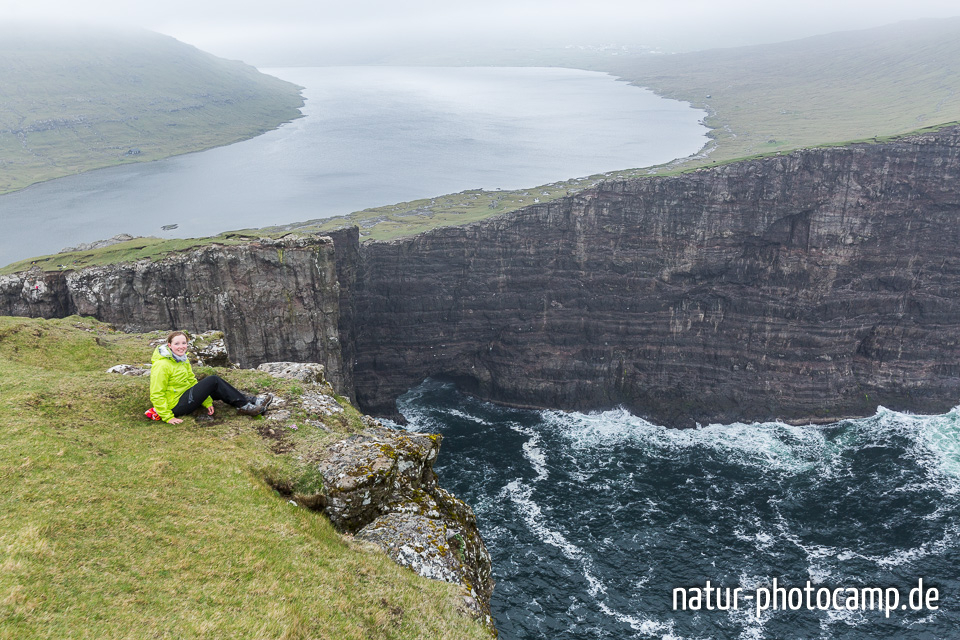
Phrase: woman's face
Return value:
(179, 345)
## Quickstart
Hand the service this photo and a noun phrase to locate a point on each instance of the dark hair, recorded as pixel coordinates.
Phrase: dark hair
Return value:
(175, 334)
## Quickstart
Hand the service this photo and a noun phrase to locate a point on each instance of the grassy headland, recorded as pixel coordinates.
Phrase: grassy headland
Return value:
(71, 101)
(115, 526)
(128, 251)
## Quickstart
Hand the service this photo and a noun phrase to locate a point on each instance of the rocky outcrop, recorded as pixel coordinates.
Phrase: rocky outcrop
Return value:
(309, 372)
(377, 485)
(803, 287)
(274, 299)
(380, 486)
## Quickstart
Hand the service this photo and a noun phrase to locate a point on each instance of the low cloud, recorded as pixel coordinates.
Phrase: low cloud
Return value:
(255, 30)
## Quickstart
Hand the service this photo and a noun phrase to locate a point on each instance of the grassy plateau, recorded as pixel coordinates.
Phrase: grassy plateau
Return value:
(116, 526)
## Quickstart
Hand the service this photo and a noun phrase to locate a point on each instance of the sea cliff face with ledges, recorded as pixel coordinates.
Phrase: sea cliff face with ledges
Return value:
(807, 286)
(274, 300)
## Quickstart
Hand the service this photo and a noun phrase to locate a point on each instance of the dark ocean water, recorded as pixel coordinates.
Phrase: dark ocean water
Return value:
(593, 519)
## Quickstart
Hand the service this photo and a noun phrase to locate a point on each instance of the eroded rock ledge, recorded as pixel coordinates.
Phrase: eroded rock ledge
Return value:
(379, 485)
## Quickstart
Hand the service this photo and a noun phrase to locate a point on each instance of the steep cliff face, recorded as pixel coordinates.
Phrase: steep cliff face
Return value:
(803, 287)
(807, 286)
(275, 300)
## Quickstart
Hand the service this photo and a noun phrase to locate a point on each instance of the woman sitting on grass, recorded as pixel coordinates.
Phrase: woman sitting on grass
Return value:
(175, 392)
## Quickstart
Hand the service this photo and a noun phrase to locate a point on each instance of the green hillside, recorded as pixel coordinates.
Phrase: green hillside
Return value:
(764, 99)
(116, 526)
(71, 101)
(833, 88)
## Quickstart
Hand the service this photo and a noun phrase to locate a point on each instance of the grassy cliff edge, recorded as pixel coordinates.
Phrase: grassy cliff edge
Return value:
(116, 526)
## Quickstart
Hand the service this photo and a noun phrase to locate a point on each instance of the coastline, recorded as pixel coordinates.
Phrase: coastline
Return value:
(139, 159)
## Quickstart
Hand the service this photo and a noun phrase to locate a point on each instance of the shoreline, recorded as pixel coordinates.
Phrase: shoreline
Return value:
(641, 105)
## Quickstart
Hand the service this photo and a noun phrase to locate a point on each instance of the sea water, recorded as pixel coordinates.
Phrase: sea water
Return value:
(592, 520)
(370, 136)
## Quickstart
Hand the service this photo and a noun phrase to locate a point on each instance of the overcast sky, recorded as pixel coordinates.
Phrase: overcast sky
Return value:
(266, 31)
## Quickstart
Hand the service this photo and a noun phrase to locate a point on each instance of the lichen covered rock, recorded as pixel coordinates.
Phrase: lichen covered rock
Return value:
(209, 349)
(309, 372)
(380, 486)
(318, 403)
(436, 548)
(367, 474)
(130, 370)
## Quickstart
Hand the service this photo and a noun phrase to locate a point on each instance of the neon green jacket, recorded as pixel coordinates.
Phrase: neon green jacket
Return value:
(168, 380)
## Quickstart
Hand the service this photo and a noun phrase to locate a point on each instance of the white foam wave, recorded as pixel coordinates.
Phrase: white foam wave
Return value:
(939, 438)
(645, 626)
(467, 416)
(771, 446)
(532, 451)
(521, 496)
(776, 449)
(783, 450)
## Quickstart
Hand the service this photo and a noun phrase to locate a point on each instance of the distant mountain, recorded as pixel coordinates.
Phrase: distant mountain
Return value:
(825, 89)
(74, 100)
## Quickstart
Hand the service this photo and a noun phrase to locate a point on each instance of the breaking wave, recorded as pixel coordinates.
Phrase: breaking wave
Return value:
(596, 518)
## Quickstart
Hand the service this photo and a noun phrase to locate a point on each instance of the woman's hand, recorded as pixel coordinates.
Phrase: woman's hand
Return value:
(210, 410)
(175, 420)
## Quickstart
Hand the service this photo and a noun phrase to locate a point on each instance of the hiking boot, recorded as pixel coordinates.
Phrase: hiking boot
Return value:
(258, 406)
(249, 409)
(263, 401)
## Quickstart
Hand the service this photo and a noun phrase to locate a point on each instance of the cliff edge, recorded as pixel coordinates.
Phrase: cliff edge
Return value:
(802, 287)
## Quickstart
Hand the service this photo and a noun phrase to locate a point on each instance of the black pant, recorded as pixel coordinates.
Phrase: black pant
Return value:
(213, 387)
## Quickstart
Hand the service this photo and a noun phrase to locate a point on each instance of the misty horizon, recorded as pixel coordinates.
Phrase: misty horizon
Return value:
(429, 32)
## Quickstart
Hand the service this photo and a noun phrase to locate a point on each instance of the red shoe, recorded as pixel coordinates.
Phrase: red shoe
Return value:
(152, 414)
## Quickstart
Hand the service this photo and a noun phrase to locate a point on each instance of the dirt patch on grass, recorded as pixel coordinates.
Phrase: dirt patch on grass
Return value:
(276, 437)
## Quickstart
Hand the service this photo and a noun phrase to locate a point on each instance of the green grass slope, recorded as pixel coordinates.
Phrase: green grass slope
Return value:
(74, 100)
(127, 251)
(115, 526)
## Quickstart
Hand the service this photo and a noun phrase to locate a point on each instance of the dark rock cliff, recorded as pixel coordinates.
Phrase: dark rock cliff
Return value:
(804, 287)
(808, 286)
(274, 300)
